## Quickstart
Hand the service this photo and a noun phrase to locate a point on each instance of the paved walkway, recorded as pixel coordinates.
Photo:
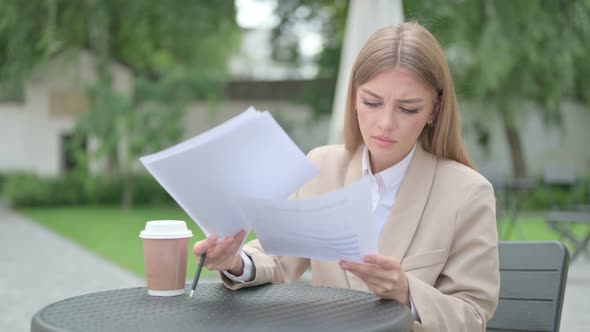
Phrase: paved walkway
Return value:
(576, 306)
(38, 267)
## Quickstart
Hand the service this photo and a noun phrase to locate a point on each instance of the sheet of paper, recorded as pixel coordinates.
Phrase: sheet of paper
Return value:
(334, 226)
(249, 154)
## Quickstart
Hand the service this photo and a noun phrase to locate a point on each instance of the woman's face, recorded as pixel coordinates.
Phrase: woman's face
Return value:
(392, 109)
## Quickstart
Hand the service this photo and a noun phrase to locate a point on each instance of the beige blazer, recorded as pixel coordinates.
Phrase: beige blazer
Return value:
(442, 227)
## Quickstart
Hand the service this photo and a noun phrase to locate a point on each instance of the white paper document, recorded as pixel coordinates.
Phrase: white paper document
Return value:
(334, 226)
(249, 154)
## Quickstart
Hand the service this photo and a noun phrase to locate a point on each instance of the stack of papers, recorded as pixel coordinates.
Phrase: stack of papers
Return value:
(333, 226)
(240, 174)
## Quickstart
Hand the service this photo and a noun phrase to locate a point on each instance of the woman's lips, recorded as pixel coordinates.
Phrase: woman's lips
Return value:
(384, 141)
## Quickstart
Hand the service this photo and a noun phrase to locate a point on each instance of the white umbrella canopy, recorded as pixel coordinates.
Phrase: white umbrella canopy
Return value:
(364, 18)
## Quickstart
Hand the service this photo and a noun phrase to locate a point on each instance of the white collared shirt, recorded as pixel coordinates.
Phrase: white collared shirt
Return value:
(384, 188)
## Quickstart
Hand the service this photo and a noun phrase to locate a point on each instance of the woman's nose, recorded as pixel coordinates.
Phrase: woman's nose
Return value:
(386, 120)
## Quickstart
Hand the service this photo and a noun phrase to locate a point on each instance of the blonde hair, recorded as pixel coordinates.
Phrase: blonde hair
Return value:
(410, 46)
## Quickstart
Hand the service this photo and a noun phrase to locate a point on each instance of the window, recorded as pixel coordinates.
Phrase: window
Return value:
(70, 146)
(67, 102)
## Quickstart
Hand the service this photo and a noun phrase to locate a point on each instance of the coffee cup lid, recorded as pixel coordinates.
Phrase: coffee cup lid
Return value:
(165, 229)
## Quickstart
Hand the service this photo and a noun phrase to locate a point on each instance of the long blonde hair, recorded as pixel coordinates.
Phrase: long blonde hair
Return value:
(410, 46)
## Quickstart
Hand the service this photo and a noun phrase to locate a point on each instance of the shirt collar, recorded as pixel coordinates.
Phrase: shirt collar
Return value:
(393, 176)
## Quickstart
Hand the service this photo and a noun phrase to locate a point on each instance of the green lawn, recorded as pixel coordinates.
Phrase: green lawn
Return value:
(113, 233)
(532, 227)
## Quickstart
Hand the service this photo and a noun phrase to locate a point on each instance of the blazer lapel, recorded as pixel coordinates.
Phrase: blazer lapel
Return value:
(409, 205)
(405, 216)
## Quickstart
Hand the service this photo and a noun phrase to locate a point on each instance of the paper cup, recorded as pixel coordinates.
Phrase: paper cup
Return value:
(165, 249)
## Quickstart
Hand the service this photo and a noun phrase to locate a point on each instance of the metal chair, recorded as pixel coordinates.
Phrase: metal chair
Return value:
(533, 277)
(562, 219)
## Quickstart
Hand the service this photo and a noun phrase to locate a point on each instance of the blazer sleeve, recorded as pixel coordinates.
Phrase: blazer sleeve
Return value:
(267, 268)
(466, 292)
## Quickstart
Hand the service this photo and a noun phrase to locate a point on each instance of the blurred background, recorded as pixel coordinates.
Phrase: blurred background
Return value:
(87, 87)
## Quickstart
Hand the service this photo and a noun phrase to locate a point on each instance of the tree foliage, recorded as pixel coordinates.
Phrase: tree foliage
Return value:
(177, 51)
(506, 53)
(502, 52)
(328, 18)
(151, 37)
(515, 49)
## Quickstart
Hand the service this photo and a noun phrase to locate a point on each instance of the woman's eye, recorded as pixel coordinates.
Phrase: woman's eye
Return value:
(409, 110)
(370, 104)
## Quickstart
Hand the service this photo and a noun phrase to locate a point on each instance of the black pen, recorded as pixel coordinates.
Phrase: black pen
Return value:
(198, 274)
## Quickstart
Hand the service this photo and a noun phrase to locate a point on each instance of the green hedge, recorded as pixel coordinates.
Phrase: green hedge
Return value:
(29, 190)
(2, 180)
(539, 199)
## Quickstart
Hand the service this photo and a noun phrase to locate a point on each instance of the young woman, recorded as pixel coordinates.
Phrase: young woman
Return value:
(435, 214)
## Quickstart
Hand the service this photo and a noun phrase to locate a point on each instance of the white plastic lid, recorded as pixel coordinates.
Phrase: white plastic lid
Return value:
(165, 229)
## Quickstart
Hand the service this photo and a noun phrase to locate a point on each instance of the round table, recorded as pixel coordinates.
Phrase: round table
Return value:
(216, 308)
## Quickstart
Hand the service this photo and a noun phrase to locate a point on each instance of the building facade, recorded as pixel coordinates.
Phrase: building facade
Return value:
(35, 131)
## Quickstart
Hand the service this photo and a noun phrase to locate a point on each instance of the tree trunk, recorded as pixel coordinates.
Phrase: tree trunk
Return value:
(127, 197)
(111, 166)
(519, 168)
(123, 148)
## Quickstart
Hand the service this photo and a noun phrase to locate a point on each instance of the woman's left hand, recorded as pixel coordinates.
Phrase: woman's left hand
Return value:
(384, 275)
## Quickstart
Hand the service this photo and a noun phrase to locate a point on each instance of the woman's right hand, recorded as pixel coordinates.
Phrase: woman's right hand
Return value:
(221, 255)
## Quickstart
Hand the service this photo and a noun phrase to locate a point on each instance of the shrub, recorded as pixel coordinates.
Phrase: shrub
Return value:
(148, 191)
(25, 189)
(2, 181)
(107, 190)
(564, 197)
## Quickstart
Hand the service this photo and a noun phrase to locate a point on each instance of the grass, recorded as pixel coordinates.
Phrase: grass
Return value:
(113, 233)
(532, 227)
